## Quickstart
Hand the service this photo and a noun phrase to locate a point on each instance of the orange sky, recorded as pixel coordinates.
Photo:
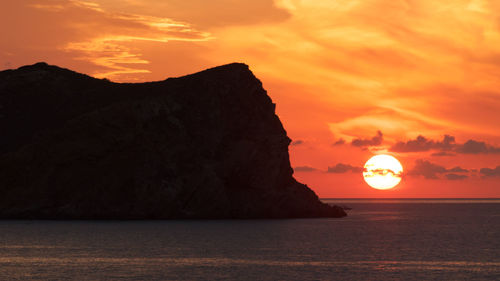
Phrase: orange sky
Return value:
(337, 69)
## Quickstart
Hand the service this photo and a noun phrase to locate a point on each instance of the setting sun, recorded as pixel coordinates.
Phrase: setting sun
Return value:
(382, 172)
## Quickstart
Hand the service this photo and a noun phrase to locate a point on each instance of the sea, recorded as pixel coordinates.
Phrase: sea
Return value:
(380, 239)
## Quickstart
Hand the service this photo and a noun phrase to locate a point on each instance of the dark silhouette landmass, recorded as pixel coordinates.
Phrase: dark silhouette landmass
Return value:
(207, 145)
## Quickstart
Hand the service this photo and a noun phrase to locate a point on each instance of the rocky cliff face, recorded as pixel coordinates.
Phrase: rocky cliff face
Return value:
(207, 145)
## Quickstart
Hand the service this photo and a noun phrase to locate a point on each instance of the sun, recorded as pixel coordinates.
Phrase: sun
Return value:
(382, 172)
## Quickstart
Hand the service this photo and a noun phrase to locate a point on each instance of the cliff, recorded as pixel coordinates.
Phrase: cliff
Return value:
(207, 145)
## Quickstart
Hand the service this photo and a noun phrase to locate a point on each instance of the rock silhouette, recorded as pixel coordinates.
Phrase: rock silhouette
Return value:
(207, 145)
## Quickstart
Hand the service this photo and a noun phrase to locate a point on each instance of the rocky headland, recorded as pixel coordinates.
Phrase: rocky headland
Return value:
(203, 146)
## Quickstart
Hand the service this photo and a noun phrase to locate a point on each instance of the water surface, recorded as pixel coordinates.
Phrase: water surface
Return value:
(379, 240)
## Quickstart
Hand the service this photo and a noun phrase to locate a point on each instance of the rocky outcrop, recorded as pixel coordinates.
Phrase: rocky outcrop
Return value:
(207, 145)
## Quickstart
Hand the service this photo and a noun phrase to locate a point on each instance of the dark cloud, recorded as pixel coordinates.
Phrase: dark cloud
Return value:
(304, 169)
(444, 147)
(339, 142)
(297, 142)
(433, 171)
(488, 172)
(455, 176)
(458, 169)
(442, 153)
(426, 169)
(477, 147)
(376, 140)
(382, 172)
(421, 143)
(343, 168)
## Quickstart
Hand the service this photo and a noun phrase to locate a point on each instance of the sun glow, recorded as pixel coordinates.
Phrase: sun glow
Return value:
(382, 172)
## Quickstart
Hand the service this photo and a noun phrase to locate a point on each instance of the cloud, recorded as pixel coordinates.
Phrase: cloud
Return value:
(304, 169)
(458, 169)
(433, 171)
(297, 142)
(47, 7)
(89, 33)
(376, 140)
(426, 169)
(111, 48)
(344, 168)
(212, 14)
(477, 147)
(444, 147)
(456, 177)
(382, 172)
(421, 143)
(488, 172)
(339, 142)
(442, 153)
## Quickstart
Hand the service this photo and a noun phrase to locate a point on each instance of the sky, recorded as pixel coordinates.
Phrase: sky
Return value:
(419, 80)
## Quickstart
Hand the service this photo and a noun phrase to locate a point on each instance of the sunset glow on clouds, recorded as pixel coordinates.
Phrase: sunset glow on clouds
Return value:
(339, 71)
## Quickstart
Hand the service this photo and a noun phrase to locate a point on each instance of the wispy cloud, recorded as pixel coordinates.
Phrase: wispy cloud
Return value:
(48, 7)
(111, 46)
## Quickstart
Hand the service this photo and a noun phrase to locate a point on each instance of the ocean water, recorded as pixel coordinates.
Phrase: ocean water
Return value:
(379, 240)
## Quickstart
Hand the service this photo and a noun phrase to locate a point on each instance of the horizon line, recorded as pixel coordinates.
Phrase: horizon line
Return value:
(414, 198)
